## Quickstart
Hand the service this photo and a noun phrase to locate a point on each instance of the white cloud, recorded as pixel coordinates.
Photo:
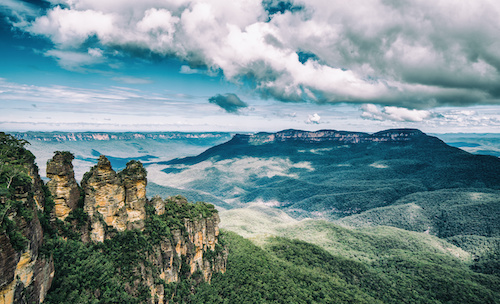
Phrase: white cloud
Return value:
(371, 111)
(313, 119)
(412, 54)
(187, 70)
(75, 60)
(95, 52)
(71, 28)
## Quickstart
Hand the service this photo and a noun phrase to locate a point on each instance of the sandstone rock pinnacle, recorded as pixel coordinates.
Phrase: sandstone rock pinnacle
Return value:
(62, 184)
(115, 200)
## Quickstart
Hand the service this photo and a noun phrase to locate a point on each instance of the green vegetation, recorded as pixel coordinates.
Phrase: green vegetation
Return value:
(114, 271)
(292, 271)
(309, 262)
(466, 217)
(16, 197)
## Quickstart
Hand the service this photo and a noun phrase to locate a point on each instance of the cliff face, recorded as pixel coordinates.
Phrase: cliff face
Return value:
(118, 200)
(179, 240)
(194, 246)
(25, 275)
(101, 136)
(114, 200)
(197, 239)
(62, 184)
(134, 181)
(394, 135)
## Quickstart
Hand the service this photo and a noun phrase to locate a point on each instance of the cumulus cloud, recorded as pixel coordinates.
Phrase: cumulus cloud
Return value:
(414, 54)
(231, 103)
(187, 70)
(371, 111)
(314, 119)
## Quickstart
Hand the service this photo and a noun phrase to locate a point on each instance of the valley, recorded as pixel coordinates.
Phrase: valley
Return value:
(320, 217)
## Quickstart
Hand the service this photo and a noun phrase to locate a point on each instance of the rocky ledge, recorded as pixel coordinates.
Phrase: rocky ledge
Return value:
(393, 135)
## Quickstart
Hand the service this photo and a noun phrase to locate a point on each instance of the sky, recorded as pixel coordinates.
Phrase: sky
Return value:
(250, 65)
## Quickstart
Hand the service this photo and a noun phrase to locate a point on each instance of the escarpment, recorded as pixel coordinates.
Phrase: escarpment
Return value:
(25, 274)
(179, 240)
(139, 249)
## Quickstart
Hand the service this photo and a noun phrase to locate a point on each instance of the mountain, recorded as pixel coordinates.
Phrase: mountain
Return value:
(335, 173)
(109, 243)
(26, 274)
(401, 178)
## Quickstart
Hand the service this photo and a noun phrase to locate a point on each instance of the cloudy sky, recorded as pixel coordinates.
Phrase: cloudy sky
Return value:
(250, 65)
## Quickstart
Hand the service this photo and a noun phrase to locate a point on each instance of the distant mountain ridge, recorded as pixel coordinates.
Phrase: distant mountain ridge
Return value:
(331, 135)
(105, 136)
(332, 173)
(327, 137)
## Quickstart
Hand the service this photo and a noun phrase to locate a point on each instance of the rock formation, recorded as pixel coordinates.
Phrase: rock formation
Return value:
(195, 245)
(133, 178)
(62, 184)
(114, 200)
(394, 135)
(202, 240)
(118, 200)
(25, 274)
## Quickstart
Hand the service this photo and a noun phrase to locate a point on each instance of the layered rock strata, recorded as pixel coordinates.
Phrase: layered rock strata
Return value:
(195, 244)
(394, 135)
(62, 184)
(25, 274)
(114, 200)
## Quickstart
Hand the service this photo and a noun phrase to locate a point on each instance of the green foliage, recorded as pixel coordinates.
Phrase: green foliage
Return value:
(85, 274)
(177, 209)
(489, 262)
(155, 227)
(66, 155)
(292, 271)
(16, 197)
(105, 272)
(134, 168)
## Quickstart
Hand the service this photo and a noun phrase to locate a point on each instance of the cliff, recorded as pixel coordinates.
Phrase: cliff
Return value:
(26, 275)
(176, 240)
(62, 184)
(114, 200)
(103, 136)
(194, 240)
(393, 135)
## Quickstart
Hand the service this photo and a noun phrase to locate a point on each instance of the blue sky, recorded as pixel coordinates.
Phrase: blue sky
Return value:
(247, 65)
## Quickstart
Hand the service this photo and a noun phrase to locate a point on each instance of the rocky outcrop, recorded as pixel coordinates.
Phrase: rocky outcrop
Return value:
(114, 200)
(25, 274)
(62, 184)
(195, 245)
(394, 135)
(133, 178)
(190, 248)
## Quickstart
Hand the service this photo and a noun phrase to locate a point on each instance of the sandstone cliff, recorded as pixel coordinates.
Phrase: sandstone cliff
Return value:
(114, 200)
(62, 184)
(394, 135)
(25, 275)
(192, 249)
(187, 244)
(177, 241)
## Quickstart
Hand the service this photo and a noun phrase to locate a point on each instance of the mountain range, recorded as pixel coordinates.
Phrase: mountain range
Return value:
(396, 216)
